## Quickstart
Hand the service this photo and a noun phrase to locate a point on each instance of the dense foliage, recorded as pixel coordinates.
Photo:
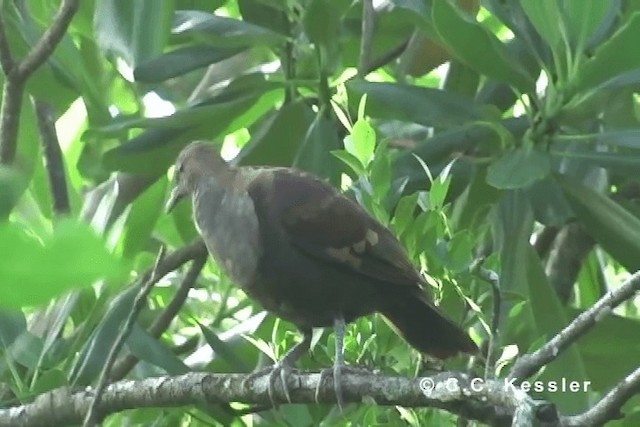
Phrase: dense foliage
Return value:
(504, 134)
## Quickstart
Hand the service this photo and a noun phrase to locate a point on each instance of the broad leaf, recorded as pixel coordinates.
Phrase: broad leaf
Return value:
(33, 271)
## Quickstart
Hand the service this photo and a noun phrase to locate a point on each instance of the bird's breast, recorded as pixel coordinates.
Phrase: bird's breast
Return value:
(228, 224)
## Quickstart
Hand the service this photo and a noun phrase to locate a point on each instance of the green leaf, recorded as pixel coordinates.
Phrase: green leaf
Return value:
(519, 168)
(314, 155)
(427, 106)
(546, 17)
(583, 17)
(622, 138)
(181, 61)
(135, 31)
(624, 162)
(322, 22)
(549, 317)
(141, 219)
(350, 160)
(549, 203)
(33, 271)
(439, 150)
(94, 353)
(611, 58)
(12, 324)
(478, 47)
(223, 349)
(12, 185)
(223, 31)
(147, 348)
(278, 139)
(612, 226)
(440, 188)
(513, 225)
(153, 151)
(362, 141)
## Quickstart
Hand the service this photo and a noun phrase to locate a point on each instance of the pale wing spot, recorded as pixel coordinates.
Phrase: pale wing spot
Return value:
(372, 237)
(344, 255)
(360, 246)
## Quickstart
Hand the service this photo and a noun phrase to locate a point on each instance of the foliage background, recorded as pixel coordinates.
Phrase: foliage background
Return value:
(506, 131)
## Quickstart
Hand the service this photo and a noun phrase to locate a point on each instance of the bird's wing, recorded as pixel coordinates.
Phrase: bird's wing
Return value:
(327, 225)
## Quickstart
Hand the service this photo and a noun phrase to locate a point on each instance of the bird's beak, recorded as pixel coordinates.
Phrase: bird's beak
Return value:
(176, 195)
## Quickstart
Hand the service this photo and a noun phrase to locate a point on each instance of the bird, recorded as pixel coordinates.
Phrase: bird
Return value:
(308, 254)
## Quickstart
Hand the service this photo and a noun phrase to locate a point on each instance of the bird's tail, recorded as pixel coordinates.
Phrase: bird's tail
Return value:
(425, 328)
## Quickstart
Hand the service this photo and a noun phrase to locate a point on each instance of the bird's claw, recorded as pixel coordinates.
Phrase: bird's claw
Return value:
(281, 370)
(337, 372)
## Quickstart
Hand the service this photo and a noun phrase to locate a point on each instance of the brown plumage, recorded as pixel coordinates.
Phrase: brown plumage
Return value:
(308, 254)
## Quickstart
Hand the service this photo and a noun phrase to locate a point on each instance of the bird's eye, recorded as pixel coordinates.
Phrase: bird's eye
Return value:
(180, 169)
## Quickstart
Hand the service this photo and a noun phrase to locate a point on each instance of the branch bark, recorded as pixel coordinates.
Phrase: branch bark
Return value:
(17, 73)
(491, 402)
(53, 158)
(568, 251)
(528, 364)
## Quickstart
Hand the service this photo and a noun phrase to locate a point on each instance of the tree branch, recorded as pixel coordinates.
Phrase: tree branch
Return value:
(17, 73)
(493, 402)
(368, 28)
(48, 41)
(528, 364)
(138, 304)
(568, 251)
(608, 408)
(53, 158)
(12, 93)
(122, 367)
(6, 59)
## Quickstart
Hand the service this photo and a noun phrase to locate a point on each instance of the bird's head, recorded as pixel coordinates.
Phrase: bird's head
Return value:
(196, 161)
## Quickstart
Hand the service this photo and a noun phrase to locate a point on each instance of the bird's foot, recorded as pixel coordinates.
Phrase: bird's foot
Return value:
(337, 371)
(281, 370)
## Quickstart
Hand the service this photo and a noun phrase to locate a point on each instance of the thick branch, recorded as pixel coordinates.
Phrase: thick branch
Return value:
(528, 364)
(53, 158)
(492, 402)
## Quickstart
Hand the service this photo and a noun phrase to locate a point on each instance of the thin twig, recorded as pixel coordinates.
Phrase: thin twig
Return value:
(53, 157)
(122, 366)
(493, 279)
(608, 408)
(528, 364)
(386, 58)
(91, 418)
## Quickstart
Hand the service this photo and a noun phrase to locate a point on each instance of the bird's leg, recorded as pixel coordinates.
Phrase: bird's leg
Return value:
(284, 367)
(339, 327)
